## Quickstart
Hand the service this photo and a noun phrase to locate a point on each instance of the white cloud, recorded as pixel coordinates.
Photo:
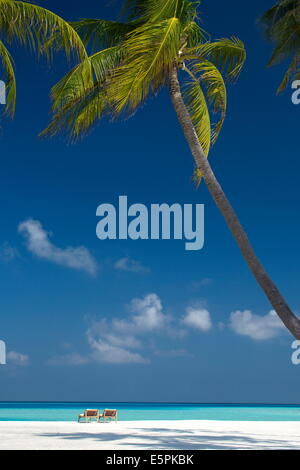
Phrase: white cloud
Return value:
(130, 265)
(149, 315)
(124, 340)
(120, 340)
(105, 351)
(17, 358)
(117, 341)
(198, 318)
(256, 327)
(38, 242)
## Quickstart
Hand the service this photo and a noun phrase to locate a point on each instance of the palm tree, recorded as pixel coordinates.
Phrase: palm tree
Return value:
(282, 26)
(37, 28)
(162, 44)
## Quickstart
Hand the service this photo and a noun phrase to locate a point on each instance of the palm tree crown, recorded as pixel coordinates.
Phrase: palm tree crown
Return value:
(131, 60)
(282, 26)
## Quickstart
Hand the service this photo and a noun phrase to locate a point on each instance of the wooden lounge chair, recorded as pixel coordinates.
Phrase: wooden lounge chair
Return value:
(109, 415)
(88, 415)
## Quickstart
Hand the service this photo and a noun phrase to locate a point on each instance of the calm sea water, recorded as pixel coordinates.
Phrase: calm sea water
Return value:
(61, 411)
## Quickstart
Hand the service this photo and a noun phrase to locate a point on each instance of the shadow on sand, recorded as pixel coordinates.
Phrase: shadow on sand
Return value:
(162, 438)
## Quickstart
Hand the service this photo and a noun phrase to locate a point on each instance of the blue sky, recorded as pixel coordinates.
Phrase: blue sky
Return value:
(147, 320)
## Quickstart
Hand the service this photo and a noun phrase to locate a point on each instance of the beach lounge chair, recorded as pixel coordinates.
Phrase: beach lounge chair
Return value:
(109, 415)
(88, 415)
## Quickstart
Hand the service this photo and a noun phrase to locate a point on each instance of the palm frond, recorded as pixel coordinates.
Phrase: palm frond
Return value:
(215, 90)
(282, 26)
(291, 73)
(274, 18)
(194, 34)
(9, 78)
(228, 55)
(99, 34)
(205, 92)
(33, 25)
(150, 52)
(80, 99)
(286, 35)
(79, 114)
(159, 10)
(196, 104)
(96, 69)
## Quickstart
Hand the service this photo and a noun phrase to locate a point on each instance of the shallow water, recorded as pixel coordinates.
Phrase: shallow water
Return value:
(62, 411)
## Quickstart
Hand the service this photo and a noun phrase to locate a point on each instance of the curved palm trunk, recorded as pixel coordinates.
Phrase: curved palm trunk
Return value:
(278, 302)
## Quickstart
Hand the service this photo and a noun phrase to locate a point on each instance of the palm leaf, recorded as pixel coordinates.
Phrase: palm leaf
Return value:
(215, 90)
(150, 52)
(80, 99)
(204, 92)
(228, 55)
(282, 26)
(33, 25)
(292, 71)
(95, 69)
(158, 10)
(78, 115)
(287, 38)
(274, 19)
(99, 34)
(194, 34)
(196, 104)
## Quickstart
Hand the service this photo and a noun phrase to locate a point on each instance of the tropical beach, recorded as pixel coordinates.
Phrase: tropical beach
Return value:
(149, 245)
(51, 426)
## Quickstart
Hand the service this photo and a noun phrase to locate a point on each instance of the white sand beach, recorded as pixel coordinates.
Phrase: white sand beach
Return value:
(150, 435)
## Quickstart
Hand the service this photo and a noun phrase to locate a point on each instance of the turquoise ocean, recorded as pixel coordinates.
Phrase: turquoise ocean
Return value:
(68, 411)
